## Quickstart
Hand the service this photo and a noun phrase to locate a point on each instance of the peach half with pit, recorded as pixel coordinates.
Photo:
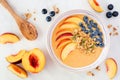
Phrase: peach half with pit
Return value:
(20, 72)
(34, 61)
(95, 5)
(112, 68)
(16, 58)
(8, 38)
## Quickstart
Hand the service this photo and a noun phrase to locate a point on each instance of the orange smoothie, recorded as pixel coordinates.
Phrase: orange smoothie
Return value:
(77, 40)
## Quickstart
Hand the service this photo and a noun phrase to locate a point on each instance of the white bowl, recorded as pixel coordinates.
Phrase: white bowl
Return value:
(104, 52)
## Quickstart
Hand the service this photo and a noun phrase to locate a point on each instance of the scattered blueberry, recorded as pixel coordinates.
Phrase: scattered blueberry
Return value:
(101, 44)
(52, 13)
(95, 25)
(115, 13)
(108, 14)
(85, 19)
(110, 6)
(44, 11)
(48, 18)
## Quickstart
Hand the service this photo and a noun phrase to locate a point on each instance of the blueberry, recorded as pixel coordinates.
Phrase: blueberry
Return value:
(108, 14)
(44, 11)
(48, 18)
(83, 28)
(80, 24)
(52, 13)
(85, 19)
(91, 22)
(95, 25)
(92, 35)
(99, 39)
(86, 31)
(97, 29)
(115, 13)
(89, 26)
(101, 44)
(100, 33)
(95, 33)
(110, 6)
(90, 30)
(97, 44)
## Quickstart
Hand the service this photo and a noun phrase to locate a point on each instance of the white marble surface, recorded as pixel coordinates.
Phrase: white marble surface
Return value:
(51, 71)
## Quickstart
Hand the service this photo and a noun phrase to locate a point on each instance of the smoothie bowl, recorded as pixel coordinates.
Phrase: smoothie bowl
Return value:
(78, 41)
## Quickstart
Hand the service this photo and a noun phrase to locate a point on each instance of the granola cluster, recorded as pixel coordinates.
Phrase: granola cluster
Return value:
(84, 42)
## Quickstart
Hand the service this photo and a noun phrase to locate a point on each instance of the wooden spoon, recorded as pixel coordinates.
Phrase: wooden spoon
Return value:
(27, 29)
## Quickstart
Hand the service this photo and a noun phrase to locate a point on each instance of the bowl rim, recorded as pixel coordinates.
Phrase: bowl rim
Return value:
(104, 52)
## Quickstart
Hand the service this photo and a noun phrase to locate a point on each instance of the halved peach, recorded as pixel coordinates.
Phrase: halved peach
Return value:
(68, 48)
(18, 71)
(112, 68)
(95, 5)
(8, 38)
(69, 25)
(34, 61)
(16, 58)
(74, 19)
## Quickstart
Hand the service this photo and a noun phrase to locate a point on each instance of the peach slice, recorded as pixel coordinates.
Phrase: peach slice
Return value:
(8, 38)
(16, 58)
(34, 61)
(61, 31)
(63, 38)
(68, 48)
(62, 35)
(18, 71)
(69, 25)
(62, 41)
(75, 20)
(111, 66)
(95, 5)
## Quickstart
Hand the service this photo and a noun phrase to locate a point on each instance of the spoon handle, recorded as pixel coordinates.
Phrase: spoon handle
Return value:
(12, 12)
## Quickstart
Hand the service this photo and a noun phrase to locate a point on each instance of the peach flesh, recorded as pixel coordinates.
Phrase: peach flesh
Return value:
(33, 61)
